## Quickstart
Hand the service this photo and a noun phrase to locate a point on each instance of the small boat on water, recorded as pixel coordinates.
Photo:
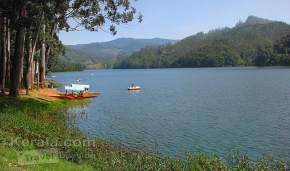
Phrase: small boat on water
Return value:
(134, 87)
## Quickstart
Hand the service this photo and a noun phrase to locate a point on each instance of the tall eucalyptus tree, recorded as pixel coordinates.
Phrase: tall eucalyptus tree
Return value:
(29, 17)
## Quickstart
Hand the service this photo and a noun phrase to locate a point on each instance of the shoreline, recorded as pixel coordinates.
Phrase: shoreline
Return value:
(226, 67)
(34, 121)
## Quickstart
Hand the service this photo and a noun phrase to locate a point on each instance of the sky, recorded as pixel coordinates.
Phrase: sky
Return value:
(177, 19)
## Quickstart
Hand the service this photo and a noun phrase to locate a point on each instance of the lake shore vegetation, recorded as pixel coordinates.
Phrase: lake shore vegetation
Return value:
(33, 127)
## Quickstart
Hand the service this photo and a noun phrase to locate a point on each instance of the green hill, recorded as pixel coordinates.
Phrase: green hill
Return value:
(107, 52)
(240, 45)
(75, 56)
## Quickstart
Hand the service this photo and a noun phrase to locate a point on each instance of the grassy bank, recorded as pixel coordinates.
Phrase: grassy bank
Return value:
(40, 128)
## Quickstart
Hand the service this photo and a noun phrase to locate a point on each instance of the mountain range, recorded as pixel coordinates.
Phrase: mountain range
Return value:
(106, 52)
(234, 46)
(247, 43)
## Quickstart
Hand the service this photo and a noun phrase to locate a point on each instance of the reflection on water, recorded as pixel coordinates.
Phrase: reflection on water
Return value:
(134, 91)
(75, 115)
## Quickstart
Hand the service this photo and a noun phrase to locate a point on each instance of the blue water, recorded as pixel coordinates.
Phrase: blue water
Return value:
(212, 110)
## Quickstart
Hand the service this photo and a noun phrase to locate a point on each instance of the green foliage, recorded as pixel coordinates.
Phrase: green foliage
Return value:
(63, 66)
(273, 55)
(217, 54)
(71, 55)
(249, 43)
(96, 13)
(265, 57)
(283, 46)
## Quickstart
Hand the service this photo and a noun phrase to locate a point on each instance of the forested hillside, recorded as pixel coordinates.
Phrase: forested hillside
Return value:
(251, 42)
(105, 53)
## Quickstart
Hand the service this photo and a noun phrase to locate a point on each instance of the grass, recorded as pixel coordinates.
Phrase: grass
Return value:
(39, 125)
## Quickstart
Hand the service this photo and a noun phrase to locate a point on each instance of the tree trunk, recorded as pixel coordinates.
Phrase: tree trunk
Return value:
(47, 53)
(42, 65)
(33, 52)
(17, 61)
(4, 54)
(1, 44)
(37, 74)
(8, 64)
(48, 48)
(28, 72)
(32, 74)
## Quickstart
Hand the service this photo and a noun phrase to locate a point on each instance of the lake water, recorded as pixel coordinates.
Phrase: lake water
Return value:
(212, 110)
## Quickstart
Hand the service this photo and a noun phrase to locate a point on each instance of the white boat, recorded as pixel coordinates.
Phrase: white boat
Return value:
(134, 87)
(77, 87)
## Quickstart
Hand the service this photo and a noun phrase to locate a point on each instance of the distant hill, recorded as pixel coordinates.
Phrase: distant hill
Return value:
(252, 20)
(105, 52)
(75, 56)
(221, 47)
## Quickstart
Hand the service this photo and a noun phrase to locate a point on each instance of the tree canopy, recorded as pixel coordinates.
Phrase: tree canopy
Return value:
(29, 34)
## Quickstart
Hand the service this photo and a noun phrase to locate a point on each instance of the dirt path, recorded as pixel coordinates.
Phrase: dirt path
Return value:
(47, 94)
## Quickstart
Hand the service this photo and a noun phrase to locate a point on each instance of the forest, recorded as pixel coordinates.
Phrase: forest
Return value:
(255, 42)
(29, 42)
